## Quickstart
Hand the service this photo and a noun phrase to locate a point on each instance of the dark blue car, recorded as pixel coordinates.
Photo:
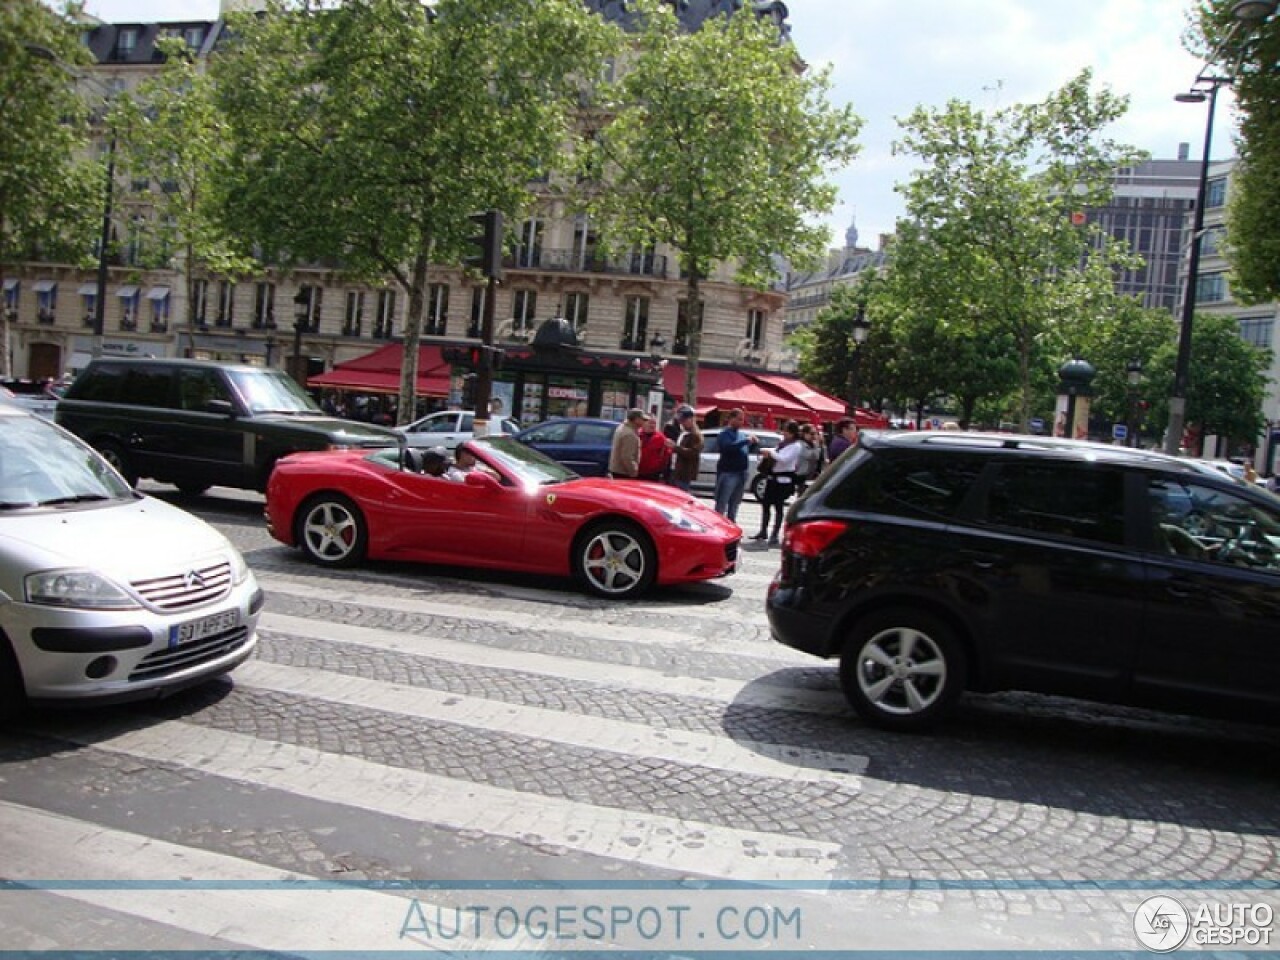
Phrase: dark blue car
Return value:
(581, 443)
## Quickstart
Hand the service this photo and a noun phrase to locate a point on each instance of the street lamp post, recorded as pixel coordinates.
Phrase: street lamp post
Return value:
(1204, 89)
(1133, 376)
(857, 337)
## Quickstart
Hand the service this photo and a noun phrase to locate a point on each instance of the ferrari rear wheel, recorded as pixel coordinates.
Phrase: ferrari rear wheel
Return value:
(615, 559)
(332, 531)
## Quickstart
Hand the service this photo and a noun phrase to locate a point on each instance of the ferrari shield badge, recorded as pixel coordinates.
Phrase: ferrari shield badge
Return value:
(551, 499)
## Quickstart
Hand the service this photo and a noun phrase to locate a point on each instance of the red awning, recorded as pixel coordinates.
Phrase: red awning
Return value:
(824, 407)
(379, 372)
(726, 389)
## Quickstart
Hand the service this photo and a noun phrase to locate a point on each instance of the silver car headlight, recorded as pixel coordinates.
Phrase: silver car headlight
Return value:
(679, 520)
(76, 588)
(239, 568)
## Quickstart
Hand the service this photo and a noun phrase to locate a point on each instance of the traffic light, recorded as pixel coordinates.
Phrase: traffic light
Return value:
(489, 242)
(474, 357)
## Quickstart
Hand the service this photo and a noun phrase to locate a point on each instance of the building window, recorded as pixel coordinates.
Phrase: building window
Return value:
(524, 307)
(199, 302)
(353, 319)
(159, 299)
(129, 308)
(384, 323)
(1215, 193)
(1257, 331)
(226, 303)
(194, 37)
(642, 260)
(264, 306)
(46, 300)
(1211, 288)
(529, 251)
(437, 309)
(1211, 240)
(635, 323)
(755, 328)
(309, 298)
(584, 245)
(476, 327)
(89, 298)
(126, 42)
(575, 311)
(133, 249)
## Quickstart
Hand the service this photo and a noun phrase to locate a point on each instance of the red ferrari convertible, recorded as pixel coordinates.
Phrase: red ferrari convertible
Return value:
(518, 510)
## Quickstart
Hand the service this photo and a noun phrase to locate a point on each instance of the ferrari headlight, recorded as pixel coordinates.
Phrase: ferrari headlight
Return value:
(76, 588)
(679, 520)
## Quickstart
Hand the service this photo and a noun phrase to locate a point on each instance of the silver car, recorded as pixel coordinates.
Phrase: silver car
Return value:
(448, 428)
(106, 594)
(767, 440)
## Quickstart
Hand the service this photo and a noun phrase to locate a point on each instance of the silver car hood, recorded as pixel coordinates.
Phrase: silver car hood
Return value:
(126, 541)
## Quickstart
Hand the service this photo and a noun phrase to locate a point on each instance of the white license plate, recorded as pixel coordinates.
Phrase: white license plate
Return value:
(194, 630)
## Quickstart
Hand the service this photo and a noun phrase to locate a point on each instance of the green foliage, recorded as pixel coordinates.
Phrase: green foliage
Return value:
(1249, 52)
(173, 137)
(371, 130)
(49, 191)
(989, 274)
(719, 145)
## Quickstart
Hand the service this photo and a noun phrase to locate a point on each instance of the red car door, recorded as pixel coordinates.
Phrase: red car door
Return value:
(451, 521)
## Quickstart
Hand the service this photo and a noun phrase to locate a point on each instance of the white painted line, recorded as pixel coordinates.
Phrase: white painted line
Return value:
(657, 841)
(596, 733)
(610, 675)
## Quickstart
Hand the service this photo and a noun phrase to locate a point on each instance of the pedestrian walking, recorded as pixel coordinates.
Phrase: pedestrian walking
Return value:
(780, 482)
(846, 436)
(732, 464)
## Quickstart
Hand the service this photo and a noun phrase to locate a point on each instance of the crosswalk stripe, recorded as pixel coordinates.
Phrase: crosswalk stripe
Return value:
(236, 901)
(537, 618)
(597, 733)
(720, 690)
(664, 842)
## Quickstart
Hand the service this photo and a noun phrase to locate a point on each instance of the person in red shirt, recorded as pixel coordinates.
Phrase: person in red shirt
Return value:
(655, 451)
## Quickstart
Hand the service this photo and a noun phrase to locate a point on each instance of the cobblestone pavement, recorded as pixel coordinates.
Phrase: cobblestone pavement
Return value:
(402, 724)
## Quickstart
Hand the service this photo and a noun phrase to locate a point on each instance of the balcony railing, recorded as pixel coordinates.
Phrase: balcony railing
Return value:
(46, 316)
(575, 261)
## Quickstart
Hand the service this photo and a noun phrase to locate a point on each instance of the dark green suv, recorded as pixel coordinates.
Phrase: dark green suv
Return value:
(197, 423)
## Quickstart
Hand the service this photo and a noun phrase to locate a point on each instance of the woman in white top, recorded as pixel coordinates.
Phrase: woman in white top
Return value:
(782, 480)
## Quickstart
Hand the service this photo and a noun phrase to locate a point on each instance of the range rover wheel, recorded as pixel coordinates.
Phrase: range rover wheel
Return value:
(191, 488)
(615, 559)
(114, 455)
(902, 669)
(332, 531)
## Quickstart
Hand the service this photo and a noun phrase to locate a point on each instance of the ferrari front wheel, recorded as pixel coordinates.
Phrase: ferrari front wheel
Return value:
(615, 560)
(332, 531)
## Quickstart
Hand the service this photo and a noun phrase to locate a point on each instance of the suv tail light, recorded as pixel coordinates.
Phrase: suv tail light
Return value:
(810, 539)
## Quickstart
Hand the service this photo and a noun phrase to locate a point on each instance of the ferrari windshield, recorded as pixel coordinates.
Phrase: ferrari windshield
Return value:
(41, 465)
(529, 465)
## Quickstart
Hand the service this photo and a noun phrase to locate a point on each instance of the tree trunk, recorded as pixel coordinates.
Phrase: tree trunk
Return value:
(408, 401)
(693, 340)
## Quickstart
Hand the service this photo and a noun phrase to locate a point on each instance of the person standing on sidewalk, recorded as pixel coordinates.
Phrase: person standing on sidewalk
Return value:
(780, 482)
(732, 465)
(846, 436)
(624, 455)
(688, 451)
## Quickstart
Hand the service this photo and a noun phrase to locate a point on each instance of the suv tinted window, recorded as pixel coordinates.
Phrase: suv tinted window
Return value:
(1060, 499)
(148, 387)
(196, 388)
(913, 484)
(1204, 523)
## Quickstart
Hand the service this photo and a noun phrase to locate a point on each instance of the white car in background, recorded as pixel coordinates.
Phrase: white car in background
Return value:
(448, 428)
(768, 440)
(106, 594)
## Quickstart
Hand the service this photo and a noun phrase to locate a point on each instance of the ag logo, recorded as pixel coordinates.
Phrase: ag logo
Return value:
(551, 499)
(1161, 924)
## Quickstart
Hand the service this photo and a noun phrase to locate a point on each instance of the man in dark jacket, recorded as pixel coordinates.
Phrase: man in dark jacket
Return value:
(731, 468)
(688, 451)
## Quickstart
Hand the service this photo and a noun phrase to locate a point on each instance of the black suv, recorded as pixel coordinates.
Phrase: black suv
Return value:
(935, 563)
(196, 423)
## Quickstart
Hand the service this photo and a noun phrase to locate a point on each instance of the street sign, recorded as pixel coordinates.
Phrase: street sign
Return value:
(1119, 431)
(1036, 424)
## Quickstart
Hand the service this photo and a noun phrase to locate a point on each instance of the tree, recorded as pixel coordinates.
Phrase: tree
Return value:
(178, 142)
(719, 146)
(49, 191)
(990, 250)
(1249, 52)
(1228, 379)
(371, 130)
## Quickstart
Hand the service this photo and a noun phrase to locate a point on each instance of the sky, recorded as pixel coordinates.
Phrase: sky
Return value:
(888, 56)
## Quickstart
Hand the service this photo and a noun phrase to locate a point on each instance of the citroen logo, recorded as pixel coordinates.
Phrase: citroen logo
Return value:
(193, 579)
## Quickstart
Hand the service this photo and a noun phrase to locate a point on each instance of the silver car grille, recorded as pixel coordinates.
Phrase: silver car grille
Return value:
(191, 588)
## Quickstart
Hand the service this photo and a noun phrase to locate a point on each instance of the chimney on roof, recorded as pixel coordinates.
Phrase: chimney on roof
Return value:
(1184, 151)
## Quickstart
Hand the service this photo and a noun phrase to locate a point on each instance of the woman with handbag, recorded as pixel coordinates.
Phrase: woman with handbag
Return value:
(781, 482)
